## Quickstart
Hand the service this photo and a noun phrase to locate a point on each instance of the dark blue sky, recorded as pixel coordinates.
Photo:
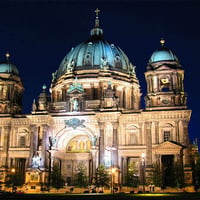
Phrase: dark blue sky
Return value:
(39, 33)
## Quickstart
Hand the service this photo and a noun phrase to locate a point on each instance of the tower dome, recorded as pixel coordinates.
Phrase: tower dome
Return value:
(164, 78)
(161, 56)
(11, 88)
(7, 67)
(95, 53)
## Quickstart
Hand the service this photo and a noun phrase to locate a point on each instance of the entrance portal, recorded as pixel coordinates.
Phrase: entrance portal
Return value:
(168, 170)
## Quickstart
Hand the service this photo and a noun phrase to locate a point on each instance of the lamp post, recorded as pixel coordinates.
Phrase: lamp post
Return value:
(13, 178)
(49, 170)
(143, 172)
(111, 149)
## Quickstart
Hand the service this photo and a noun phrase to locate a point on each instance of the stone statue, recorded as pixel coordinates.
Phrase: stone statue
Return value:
(75, 105)
(70, 66)
(132, 69)
(36, 161)
(104, 63)
(94, 140)
(52, 141)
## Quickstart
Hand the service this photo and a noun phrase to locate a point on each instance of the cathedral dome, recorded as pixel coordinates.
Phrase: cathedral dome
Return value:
(95, 53)
(162, 54)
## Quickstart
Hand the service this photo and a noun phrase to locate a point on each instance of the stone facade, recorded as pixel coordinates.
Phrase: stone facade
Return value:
(93, 116)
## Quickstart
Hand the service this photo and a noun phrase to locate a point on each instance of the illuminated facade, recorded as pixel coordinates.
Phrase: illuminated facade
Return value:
(93, 116)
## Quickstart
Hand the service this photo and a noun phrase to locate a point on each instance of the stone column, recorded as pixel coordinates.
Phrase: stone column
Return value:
(92, 91)
(45, 144)
(148, 144)
(115, 144)
(124, 105)
(177, 132)
(6, 144)
(133, 99)
(121, 102)
(93, 164)
(101, 143)
(124, 169)
(33, 143)
(186, 142)
(101, 90)
(155, 83)
(157, 132)
(140, 139)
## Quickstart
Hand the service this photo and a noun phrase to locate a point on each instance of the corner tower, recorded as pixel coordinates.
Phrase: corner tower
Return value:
(164, 78)
(11, 88)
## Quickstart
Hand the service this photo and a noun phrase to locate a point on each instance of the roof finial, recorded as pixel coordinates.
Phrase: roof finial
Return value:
(7, 54)
(162, 42)
(97, 18)
(44, 87)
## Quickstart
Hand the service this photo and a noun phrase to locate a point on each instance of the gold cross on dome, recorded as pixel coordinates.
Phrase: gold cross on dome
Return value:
(97, 12)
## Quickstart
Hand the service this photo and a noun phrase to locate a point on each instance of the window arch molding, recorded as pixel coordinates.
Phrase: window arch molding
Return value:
(132, 136)
(167, 131)
(23, 138)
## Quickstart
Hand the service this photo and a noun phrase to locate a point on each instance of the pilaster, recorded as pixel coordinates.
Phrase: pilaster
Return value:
(115, 144)
(101, 142)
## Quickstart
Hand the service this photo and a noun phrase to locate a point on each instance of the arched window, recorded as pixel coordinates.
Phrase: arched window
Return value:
(167, 130)
(132, 135)
(81, 143)
(22, 141)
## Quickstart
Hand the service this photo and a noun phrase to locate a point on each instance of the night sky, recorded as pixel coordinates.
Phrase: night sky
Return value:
(39, 33)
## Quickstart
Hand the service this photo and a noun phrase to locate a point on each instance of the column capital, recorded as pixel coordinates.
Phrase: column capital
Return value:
(148, 125)
(101, 124)
(32, 127)
(185, 123)
(115, 125)
(45, 127)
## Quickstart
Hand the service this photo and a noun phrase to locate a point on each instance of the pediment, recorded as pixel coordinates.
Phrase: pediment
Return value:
(167, 147)
(76, 91)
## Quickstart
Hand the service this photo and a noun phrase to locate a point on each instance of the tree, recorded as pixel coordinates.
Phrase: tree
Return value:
(132, 179)
(81, 175)
(56, 177)
(14, 179)
(195, 157)
(101, 176)
(179, 175)
(157, 175)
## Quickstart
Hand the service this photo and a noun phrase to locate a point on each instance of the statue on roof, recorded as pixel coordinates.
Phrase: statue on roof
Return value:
(104, 63)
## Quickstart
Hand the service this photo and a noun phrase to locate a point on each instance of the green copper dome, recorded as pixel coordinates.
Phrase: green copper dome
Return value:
(162, 54)
(95, 53)
(9, 68)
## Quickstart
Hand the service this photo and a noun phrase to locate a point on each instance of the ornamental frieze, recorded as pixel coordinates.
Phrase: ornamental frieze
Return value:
(167, 115)
(75, 123)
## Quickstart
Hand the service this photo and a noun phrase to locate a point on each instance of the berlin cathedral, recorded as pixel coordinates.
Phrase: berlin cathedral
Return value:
(91, 115)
